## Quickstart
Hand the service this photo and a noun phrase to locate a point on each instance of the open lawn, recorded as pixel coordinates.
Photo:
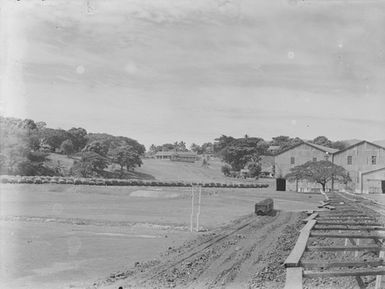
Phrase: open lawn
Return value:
(65, 236)
(167, 170)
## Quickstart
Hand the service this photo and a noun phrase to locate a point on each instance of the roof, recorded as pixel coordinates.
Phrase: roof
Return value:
(373, 171)
(193, 154)
(171, 153)
(165, 153)
(360, 143)
(319, 147)
(323, 148)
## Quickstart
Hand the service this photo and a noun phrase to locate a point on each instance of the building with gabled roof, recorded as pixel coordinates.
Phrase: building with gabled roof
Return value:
(300, 154)
(361, 160)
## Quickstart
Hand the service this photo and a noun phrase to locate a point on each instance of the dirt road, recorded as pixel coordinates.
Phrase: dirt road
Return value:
(248, 253)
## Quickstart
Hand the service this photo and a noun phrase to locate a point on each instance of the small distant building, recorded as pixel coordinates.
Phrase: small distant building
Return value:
(177, 156)
(164, 155)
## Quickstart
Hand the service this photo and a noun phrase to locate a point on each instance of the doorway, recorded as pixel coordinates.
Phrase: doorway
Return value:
(281, 184)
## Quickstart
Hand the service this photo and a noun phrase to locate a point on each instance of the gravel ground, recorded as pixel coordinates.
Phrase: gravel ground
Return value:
(248, 253)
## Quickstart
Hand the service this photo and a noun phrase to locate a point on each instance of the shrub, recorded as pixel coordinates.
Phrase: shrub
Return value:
(109, 182)
(4, 180)
(91, 183)
(225, 169)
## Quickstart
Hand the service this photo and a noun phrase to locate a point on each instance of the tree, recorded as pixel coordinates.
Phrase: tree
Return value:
(226, 170)
(296, 174)
(222, 142)
(181, 146)
(91, 164)
(153, 149)
(196, 148)
(98, 147)
(241, 151)
(167, 147)
(208, 148)
(78, 137)
(320, 172)
(67, 147)
(284, 142)
(254, 169)
(54, 137)
(339, 145)
(126, 156)
(322, 140)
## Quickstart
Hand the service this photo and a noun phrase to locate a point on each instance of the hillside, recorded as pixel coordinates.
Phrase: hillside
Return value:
(166, 170)
(163, 170)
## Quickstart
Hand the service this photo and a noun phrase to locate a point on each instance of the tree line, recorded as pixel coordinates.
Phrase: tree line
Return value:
(26, 145)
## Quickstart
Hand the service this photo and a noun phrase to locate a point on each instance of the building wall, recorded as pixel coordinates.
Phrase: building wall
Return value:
(371, 183)
(302, 154)
(361, 157)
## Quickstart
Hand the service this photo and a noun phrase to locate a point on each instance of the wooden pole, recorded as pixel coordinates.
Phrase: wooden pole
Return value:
(192, 209)
(199, 207)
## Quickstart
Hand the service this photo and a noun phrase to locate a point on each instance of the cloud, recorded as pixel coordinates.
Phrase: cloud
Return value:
(204, 65)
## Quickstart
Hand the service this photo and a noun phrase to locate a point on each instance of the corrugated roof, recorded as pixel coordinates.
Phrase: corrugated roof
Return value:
(319, 147)
(170, 153)
(360, 143)
(373, 171)
(323, 148)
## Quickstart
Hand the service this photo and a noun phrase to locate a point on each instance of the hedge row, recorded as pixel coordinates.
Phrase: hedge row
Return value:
(115, 182)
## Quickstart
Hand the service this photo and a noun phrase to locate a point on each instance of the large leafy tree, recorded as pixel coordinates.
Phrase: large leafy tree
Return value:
(322, 140)
(297, 173)
(320, 172)
(98, 147)
(126, 156)
(78, 138)
(243, 150)
(54, 137)
(284, 142)
(91, 164)
(222, 142)
(67, 147)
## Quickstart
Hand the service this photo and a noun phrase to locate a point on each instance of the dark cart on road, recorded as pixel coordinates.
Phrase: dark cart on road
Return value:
(265, 207)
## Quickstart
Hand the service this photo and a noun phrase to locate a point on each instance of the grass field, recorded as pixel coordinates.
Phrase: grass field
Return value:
(167, 170)
(65, 236)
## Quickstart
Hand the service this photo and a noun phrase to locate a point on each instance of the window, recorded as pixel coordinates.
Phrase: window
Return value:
(374, 160)
(292, 160)
(314, 159)
(350, 160)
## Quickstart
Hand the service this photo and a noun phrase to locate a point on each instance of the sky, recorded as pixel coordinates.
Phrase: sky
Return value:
(168, 70)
